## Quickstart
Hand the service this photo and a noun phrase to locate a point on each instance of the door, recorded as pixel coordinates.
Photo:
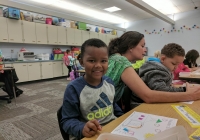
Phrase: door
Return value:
(94, 35)
(102, 37)
(15, 30)
(3, 30)
(47, 70)
(57, 69)
(22, 71)
(29, 35)
(62, 37)
(85, 36)
(52, 35)
(78, 37)
(41, 33)
(34, 72)
(70, 36)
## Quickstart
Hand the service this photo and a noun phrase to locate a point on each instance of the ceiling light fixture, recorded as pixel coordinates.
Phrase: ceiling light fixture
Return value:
(112, 9)
(85, 11)
(164, 6)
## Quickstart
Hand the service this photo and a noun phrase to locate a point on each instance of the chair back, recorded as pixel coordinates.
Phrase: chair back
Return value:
(59, 116)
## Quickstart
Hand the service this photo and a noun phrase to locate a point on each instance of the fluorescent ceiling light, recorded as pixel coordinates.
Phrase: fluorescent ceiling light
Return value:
(112, 9)
(164, 6)
(78, 9)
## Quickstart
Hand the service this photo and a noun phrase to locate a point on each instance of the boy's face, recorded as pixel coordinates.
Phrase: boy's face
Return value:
(95, 61)
(171, 63)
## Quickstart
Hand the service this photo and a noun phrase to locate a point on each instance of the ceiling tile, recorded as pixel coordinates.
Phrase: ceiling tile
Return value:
(187, 7)
(181, 2)
(92, 2)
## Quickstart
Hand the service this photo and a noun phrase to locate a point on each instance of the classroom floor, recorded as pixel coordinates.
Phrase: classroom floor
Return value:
(34, 116)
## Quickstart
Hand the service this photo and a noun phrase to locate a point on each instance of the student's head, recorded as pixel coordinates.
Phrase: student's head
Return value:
(131, 44)
(172, 55)
(79, 57)
(157, 54)
(68, 51)
(192, 56)
(94, 57)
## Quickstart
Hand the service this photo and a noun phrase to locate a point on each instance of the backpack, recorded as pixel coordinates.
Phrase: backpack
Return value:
(66, 60)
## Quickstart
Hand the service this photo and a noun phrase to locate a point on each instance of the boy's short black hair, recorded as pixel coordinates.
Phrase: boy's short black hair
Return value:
(172, 49)
(93, 42)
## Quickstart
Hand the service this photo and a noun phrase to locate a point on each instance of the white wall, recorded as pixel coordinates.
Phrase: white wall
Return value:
(189, 39)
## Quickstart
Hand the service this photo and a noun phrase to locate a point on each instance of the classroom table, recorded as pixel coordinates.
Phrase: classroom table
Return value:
(13, 86)
(162, 109)
(190, 78)
(81, 71)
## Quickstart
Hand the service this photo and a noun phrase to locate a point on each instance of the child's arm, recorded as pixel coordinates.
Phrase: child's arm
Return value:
(156, 80)
(91, 128)
(71, 113)
(117, 110)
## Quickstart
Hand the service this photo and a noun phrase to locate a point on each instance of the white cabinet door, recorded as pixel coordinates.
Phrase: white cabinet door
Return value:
(52, 34)
(22, 71)
(85, 36)
(29, 35)
(77, 37)
(102, 37)
(41, 33)
(15, 31)
(34, 71)
(47, 70)
(70, 36)
(94, 35)
(3, 30)
(8, 65)
(62, 37)
(65, 69)
(57, 69)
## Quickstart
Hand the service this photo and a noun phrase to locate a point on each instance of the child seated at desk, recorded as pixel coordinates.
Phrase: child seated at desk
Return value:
(89, 100)
(158, 75)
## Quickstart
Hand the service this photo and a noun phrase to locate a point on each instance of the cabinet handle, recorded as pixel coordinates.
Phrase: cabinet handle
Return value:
(4, 39)
(33, 41)
(24, 65)
(11, 39)
(55, 42)
(54, 63)
(59, 42)
(30, 65)
(38, 41)
(49, 64)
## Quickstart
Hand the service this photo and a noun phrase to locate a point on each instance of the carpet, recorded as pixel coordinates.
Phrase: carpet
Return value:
(34, 117)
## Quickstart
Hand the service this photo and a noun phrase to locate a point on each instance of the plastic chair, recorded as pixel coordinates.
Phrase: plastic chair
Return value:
(59, 117)
(4, 97)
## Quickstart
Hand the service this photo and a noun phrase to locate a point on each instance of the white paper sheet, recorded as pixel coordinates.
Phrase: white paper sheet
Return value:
(141, 125)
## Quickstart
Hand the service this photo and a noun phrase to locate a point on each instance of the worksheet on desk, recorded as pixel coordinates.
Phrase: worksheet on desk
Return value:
(141, 125)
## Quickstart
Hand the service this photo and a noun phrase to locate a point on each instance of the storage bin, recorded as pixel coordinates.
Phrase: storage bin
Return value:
(13, 13)
(108, 136)
(55, 21)
(39, 19)
(49, 21)
(82, 26)
(28, 17)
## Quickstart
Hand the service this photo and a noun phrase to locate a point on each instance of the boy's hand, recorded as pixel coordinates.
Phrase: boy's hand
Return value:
(91, 128)
(194, 91)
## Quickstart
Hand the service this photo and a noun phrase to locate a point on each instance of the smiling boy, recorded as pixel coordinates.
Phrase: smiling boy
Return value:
(158, 75)
(89, 100)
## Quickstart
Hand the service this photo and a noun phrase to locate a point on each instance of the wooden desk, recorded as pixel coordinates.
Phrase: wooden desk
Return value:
(156, 109)
(11, 69)
(81, 71)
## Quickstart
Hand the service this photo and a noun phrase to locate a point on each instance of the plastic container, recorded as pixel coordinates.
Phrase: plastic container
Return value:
(13, 13)
(49, 21)
(184, 74)
(108, 136)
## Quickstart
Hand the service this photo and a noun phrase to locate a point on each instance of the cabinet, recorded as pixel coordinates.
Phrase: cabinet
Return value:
(102, 37)
(3, 30)
(15, 30)
(57, 69)
(22, 71)
(74, 37)
(77, 37)
(29, 35)
(109, 38)
(94, 35)
(52, 34)
(46, 70)
(41, 33)
(85, 36)
(34, 72)
(62, 37)
(65, 69)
